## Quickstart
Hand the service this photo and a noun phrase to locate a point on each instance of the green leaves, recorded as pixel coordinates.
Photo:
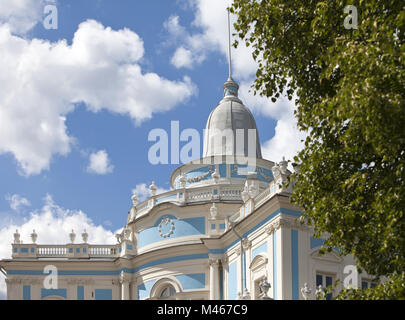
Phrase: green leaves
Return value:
(350, 88)
(393, 288)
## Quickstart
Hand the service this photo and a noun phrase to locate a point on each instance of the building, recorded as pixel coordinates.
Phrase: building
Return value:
(226, 230)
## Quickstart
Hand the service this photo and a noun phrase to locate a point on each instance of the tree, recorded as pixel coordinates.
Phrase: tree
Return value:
(349, 85)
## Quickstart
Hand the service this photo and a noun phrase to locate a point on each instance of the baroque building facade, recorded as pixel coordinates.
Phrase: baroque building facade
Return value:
(226, 230)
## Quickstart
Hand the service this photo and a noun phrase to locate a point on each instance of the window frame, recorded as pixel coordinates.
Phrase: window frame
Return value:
(324, 284)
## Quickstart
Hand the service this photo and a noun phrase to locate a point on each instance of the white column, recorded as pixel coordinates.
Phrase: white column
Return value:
(13, 289)
(284, 252)
(304, 258)
(214, 279)
(124, 281)
(36, 290)
(124, 290)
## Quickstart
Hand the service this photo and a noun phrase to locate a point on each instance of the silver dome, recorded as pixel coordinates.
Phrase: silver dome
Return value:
(227, 123)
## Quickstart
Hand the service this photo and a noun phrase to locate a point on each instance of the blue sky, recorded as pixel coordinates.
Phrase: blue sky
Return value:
(97, 85)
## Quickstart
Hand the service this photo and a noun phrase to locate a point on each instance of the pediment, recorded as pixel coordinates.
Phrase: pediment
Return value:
(258, 262)
(328, 256)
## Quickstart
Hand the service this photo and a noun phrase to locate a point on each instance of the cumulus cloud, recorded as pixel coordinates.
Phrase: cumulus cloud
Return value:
(263, 105)
(174, 28)
(142, 190)
(22, 15)
(17, 202)
(286, 142)
(211, 19)
(288, 139)
(182, 58)
(99, 163)
(53, 224)
(41, 82)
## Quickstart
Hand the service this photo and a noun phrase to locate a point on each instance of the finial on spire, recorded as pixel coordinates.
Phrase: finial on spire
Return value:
(230, 86)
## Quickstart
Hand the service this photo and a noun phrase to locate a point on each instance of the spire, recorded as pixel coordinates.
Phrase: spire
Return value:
(229, 46)
(230, 86)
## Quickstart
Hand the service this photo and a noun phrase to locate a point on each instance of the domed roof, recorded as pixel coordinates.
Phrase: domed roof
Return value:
(231, 127)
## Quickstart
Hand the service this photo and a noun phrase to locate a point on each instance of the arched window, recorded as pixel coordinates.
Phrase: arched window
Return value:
(167, 292)
(167, 288)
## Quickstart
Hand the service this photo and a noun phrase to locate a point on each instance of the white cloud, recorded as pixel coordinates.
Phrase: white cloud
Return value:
(17, 202)
(53, 225)
(142, 190)
(99, 163)
(264, 105)
(182, 58)
(286, 140)
(212, 19)
(40, 82)
(21, 15)
(172, 25)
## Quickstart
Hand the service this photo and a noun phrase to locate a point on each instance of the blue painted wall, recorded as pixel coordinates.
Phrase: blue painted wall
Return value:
(26, 292)
(80, 293)
(243, 169)
(182, 228)
(294, 265)
(232, 282)
(103, 294)
(260, 249)
(144, 289)
(222, 170)
(192, 281)
(53, 292)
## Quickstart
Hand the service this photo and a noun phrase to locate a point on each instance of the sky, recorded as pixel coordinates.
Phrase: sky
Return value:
(78, 102)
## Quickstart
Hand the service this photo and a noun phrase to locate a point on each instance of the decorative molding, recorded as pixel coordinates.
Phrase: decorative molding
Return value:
(284, 223)
(328, 256)
(265, 176)
(235, 170)
(162, 283)
(201, 177)
(13, 281)
(30, 281)
(260, 261)
(270, 229)
(214, 262)
(274, 226)
(123, 279)
(165, 221)
(78, 281)
(246, 244)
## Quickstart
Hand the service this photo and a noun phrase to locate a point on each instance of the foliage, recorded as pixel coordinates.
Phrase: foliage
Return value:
(349, 85)
(394, 288)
